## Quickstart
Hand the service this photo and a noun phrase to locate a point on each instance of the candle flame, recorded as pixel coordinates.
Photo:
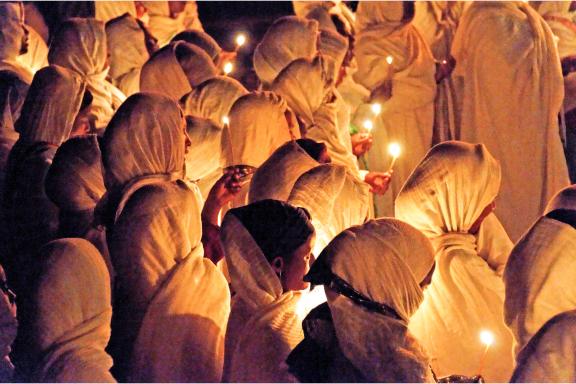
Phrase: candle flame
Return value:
(389, 60)
(225, 120)
(228, 68)
(487, 338)
(240, 39)
(394, 150)
(376, 108)
(368, 125)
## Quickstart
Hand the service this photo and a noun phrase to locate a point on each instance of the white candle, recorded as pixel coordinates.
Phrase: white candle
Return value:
(394, 150)
(486, 338)
(376, 108)
(368, 125)
(240, 41)
(225, 121)
(228, 68)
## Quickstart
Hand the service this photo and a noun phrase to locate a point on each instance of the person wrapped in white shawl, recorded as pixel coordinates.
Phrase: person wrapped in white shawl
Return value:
(176, 69)
(512, 91)
(538, 270)
(49, 111)
(75, 183)
(67, 317)
(203, 40)
(268, 247)
(208, 105)
(373, 276)
(168, 18)
(80, 45)
(288, 39)
(447, 197)
(128, 49)
(171, 305)
(405, 88)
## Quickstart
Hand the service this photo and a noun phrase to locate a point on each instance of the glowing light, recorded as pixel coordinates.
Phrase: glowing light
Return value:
(487, 338)
(394, 150)
(376, 108)
(389, 60)
(240, 40)
(226, 120)
(228, 68)
(368, 125)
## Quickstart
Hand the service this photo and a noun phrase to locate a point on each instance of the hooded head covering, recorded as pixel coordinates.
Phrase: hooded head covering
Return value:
(384, 16)
(145, 137)
(335, 199)
(128, 52)
(200, 39)
(69, 323)
(275, 178)
(384, 261)
(176, 69)
(213, 98)
(257, 127)
(204, 157)
(334, 48)
(74, 181)
(564, 199)
(51, 105)
(11, 37)
(80, 45)
(288, 39)
(260, 342)
(108, 10)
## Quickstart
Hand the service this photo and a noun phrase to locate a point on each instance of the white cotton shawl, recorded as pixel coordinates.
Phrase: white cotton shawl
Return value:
(11, 36)
(276, 177)
(512, 88)
(443, 198)
(173, 303)
(164, 27)
(407, 117)
(71, 312)
(80, 45)
(128, 53)
(288, 39)
(384, 260)
(539, 267)
(309, 91)
(549, 356)
(108, 10)
(264, 325)
(335, 198)
(564, 199)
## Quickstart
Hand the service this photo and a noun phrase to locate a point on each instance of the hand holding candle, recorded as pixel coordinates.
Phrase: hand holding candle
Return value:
(487, 338)
(394, 150)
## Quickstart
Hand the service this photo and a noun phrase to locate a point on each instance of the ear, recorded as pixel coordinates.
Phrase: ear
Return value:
(278, 264)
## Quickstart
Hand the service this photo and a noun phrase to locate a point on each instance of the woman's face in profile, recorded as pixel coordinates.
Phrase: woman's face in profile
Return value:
(298, 266)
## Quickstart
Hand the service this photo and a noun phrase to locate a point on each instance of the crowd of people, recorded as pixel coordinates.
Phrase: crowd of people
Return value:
(163, 221)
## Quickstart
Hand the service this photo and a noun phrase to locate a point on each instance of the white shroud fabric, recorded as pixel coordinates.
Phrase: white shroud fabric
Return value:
(264, 325)
(80, 45)
(309, 91)
(12, 18)
(288, 39)
(549, 356)
(384, 260)
(108, 10)
(68, 325)
(512, 93)
(335, 198)
(172, 305)
(276, 177)
(443, 198)
(164, 26)
(128, 53)
(407, 116)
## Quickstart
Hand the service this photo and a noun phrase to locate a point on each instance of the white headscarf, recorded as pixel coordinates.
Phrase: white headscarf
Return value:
(128, 53)
(258, 126)
(384, 260)
(80, 45)
(443, 198)
(164, 27)
(275, 178)
(172, 303)
(202, 40)
(11, 37)
(108, 10)
(335, 199)
(288, 39)
(70, 314)
(549, 356)
(204, 158)
(165, 73)
(539, 267)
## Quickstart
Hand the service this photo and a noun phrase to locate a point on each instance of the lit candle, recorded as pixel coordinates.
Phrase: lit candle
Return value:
(240, 41)
(390, 60)
(394, 150)
(228, 68)
(486, 338)
(226, 121)
(376, 108)
(368, 125)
